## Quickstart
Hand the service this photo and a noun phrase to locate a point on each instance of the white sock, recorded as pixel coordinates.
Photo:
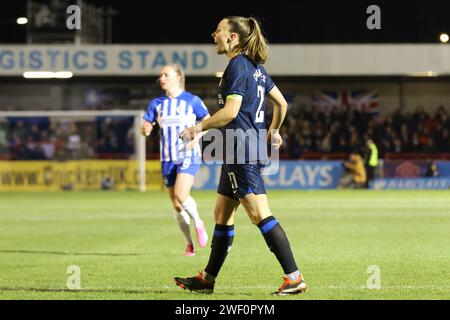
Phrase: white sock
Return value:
(183, 222)
(190, 206)
(294, 275)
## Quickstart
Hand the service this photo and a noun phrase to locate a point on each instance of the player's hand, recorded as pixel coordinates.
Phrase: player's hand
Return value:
(275, 139)
(187, 134)
(146, 129)
(190, 145)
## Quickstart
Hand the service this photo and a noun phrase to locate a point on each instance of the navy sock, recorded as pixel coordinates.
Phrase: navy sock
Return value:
(278, 243)
(220, 245)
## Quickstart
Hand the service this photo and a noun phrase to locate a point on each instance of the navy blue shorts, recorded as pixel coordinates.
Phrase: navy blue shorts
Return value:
(238, 180)
(171, 169)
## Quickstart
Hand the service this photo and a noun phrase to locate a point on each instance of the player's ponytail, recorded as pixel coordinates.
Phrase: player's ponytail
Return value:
(255, 43)
(251, 39)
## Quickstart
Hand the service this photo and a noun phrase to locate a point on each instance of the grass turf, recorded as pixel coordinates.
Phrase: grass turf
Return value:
(128, 245)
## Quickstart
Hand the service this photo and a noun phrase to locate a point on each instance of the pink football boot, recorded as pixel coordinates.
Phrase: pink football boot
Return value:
(202, 236)
(189, 250)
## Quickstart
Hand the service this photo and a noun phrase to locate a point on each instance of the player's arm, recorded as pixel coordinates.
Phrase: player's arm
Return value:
(222, 117)
(197, 137)
(279, 113)
(219, 119)
(201, 134)
(149, 119)
(146, 128)
(279, 108)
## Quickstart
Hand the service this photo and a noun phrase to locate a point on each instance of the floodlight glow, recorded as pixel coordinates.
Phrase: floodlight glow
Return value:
(47, 75)
(22, 20)
(63, 74)
(38, 74)
(444, 38)
(428, 73)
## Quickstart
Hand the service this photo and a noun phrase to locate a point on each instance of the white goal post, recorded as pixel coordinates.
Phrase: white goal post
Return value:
(139, 139)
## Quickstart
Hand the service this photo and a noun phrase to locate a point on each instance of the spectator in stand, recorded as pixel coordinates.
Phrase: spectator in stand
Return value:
(423, 135)
(297, 147)
(354, 137)
(385, 147)
(405, 138)
(129, 141)
(35, 133)
(415, 143)
(20, 132)
(430, 147)
(73, 141)
(112, 143)
(335, 135)
(432, 170)
(306, 130)
(88, 134)
(33, 147)
(443, 140)
(285, 147)
(397, 147)
(326, 143)
(101, 146)
(48, 145)
(343, 145)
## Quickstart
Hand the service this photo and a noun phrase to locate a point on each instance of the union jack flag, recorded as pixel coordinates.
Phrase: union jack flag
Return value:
(361, 100)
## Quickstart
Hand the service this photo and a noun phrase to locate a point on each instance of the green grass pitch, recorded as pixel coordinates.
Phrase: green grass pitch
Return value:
(128, 246)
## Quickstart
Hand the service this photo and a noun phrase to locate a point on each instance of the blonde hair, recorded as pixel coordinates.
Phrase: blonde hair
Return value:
(251, 39)
(179, 71)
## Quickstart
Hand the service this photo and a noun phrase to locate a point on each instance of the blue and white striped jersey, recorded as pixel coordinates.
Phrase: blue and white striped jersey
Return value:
(173, 116)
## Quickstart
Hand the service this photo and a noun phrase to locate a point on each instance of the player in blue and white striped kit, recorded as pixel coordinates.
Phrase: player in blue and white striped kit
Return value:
(175, 111)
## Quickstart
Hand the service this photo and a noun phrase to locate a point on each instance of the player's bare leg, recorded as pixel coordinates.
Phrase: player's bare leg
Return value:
(224, 210)
(256, 206)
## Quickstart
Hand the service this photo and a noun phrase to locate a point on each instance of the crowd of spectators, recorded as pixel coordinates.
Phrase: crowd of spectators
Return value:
(309, 130)
(64, 139)
(306, 130)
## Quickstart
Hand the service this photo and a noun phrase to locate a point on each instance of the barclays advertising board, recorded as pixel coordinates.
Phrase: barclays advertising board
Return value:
(290, 175)
(443, 168)
(413, 183)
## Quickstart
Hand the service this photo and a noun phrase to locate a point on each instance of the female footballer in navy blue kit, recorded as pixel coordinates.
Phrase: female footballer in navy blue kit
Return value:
(241, 95)
(176, 110)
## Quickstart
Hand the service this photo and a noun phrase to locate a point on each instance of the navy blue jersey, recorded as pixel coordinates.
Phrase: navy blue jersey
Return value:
(251, 81)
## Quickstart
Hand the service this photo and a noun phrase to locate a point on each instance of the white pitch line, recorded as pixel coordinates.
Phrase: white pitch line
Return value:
(224, 288)
(335, 287)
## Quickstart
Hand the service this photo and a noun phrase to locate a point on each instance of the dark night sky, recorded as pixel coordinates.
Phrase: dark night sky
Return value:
(308, 21)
